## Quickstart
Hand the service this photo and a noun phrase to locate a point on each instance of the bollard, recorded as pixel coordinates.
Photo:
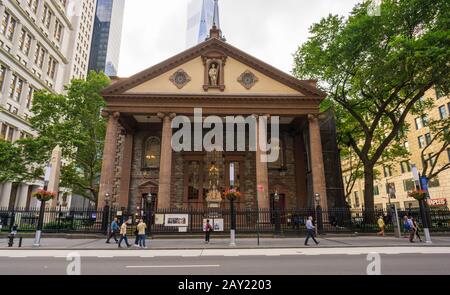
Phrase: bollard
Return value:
(20, 242)
(11, 240)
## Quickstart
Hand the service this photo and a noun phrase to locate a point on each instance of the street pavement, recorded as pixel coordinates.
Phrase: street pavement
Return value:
(325, 242)
(312, 261)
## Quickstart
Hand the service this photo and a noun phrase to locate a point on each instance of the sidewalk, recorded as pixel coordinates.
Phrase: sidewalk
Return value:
(244, 243)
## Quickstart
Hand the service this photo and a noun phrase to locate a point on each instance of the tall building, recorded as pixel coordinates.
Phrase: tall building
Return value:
(105, 48)
(41, 42)
(202, 14)
(395, 181)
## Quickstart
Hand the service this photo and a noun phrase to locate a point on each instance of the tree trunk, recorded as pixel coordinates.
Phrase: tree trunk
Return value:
(369, 204)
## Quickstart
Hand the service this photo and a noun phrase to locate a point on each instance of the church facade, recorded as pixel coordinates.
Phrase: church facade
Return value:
(220, 80)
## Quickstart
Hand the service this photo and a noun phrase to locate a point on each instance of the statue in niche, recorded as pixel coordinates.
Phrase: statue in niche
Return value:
(213, 74)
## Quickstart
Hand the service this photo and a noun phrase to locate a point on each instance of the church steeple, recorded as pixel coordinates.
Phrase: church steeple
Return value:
(215, 31)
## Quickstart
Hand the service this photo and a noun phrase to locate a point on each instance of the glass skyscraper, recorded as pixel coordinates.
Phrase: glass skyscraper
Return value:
(107, 36)
(201, 16)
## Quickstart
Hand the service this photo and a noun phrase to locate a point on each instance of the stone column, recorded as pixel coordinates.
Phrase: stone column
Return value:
(317, 166)
(5, 195)
(125, 178)
(262, 174)
(22, 196)
(16, 37)
(109, 155)
(165, 167)
(6, 85)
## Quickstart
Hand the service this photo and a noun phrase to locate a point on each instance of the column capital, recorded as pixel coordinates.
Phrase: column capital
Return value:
(313, 117)
(166, 115)
(107, 114)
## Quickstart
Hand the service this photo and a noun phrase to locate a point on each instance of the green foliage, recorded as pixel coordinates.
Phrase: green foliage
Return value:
(375, 70)
(74, 122)
(12, 163)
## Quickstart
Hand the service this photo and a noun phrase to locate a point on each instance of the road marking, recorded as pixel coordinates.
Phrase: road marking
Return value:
(172, 266)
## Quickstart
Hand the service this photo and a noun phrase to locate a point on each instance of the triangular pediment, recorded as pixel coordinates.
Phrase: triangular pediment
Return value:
(242, 75)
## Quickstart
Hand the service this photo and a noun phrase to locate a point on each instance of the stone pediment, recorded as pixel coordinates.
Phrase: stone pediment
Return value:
(237, 73)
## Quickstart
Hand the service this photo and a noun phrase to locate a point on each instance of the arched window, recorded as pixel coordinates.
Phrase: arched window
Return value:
(152, 153)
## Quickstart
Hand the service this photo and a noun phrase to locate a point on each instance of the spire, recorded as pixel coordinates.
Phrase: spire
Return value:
(215, 31)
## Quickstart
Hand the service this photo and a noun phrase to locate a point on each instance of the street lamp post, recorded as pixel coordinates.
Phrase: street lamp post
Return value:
(276, 204)
(149, 200)
(422, 206)
(37, 238)
(319, 225)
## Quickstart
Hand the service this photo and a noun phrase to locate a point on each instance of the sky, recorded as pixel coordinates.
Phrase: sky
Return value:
(270, 30)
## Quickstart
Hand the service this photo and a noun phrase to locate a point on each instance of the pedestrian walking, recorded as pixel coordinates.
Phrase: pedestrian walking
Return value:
(381, 225)
(310, 231)
(136, 234)
(208, 229)
(141, 227)
(1, 225)
(409, 226)
(113, 231)
(123, 234)
(417, 228)
(14, 229)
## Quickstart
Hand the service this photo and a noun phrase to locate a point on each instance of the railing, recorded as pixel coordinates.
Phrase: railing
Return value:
(289, 221)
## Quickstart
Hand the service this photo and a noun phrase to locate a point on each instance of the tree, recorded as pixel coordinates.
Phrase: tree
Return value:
(376, 69)
(74, 122)
(354, 171)
(437, 146)
(12, 163)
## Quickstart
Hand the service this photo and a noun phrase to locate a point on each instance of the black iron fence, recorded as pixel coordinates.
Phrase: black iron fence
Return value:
(191, 221)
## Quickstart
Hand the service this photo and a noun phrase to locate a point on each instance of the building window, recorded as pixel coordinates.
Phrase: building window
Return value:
(194, 183)
(39, 56)
(387, 171)
(152, 153)
(419, 124)
(15, 88)
(357, 203)
(428, 138)
(30, 97)
(58, 31)
(376, 190)
(2, 76)
(434, 183)
(439, 92)
(47, 16)
(25, 42)
(421, 140)
(51, 69)
(8, 26)
(406, 145)
(7, 132)
(443, 112)
(405, 166)
(409, 185)
(390, 190)
(33, 4)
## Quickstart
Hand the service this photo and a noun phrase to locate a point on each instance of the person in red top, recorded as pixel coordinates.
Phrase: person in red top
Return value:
(208, 229)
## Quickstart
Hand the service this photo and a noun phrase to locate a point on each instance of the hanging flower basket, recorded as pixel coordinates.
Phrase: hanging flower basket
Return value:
(418, 195)
(44, 196)
(232, 194)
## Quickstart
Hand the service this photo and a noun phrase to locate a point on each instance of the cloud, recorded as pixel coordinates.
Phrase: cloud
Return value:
(270, 30)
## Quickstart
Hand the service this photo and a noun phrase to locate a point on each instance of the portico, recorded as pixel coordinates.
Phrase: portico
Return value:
(222, 81)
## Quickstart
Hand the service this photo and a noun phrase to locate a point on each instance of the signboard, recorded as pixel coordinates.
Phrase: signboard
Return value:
(438, 202)
(176, 220)
(218, 224)
(159, 219)
(119, 213)
(182, 229)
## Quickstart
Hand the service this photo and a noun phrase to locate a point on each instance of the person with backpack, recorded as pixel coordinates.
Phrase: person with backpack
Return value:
(409, 226)
(208, 229)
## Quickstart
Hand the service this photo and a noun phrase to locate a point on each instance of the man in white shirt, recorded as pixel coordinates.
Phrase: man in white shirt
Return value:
(310, 231)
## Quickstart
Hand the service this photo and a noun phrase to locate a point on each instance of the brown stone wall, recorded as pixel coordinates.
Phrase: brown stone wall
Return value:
(284, 180)
(118, 164)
